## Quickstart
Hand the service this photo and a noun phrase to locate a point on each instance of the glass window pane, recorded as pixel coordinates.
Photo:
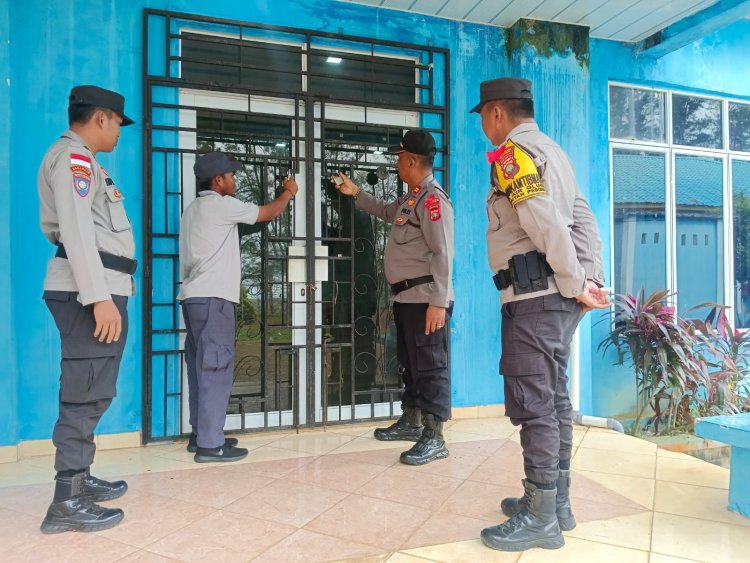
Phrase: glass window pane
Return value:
(741, 204)
(699, 195)
(639, 179)
(362, 77)
(697, 122)
(636, 114)
(739, 127)
(262, 66)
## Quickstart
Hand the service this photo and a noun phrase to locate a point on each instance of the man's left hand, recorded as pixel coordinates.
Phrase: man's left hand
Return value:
(435, 319)
(593, 297)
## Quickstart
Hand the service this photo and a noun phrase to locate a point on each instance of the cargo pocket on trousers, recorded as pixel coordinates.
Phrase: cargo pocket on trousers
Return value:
(65, 309)
(217, 357)
(431, 351)
(527, 391)
(83, 380)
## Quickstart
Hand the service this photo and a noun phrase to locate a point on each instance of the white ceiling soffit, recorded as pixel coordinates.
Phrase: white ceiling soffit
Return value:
(617, 20)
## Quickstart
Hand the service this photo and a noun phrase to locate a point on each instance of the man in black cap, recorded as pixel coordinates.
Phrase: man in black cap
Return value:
(210, 274)
(418, 264)
(86, 290)
(545, 254)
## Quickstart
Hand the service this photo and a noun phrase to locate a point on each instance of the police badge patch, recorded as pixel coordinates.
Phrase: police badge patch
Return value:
(80, 167)
(517, 175)
(433, 206)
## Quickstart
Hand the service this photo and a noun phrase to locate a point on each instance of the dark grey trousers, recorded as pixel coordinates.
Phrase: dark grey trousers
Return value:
(536, 335)
(209, 354)
(88, 377)
(424, 359)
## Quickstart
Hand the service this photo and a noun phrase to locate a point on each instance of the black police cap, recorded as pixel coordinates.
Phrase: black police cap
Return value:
(417, 141)
(95, 96)
(509, 88)
(214, 164)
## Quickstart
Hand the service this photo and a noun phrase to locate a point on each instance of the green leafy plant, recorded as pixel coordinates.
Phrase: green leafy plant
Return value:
(727, 352)
(662, 350)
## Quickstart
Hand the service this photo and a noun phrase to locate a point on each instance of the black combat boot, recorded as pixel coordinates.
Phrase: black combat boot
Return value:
(99, 490)
(513, 505)
(407, 428)
(430, 446)
(192, 446)
(74, 511)
(535, 525)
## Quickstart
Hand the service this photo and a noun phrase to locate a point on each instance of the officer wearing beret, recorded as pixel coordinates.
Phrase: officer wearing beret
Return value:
(86, 289)
(418, 265)
(210, 273)
(545, 254)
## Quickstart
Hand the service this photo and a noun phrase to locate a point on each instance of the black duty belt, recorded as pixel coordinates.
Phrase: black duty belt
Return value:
(527, 273)
(109, 261)
(413, 282)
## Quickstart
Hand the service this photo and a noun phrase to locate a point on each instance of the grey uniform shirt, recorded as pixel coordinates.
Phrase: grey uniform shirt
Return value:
(420, 242)
(210, 246)
(535, 204)
(81, 207)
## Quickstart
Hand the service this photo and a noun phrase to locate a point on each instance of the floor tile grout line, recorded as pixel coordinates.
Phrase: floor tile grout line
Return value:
(403, 552)
(331, 535)
(599, 542)
(691, 485)
(681, 558)
(185, 525)
(735, 526)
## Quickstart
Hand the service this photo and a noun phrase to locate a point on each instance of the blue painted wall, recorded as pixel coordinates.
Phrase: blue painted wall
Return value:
(58, 44)
(717, 64)
(8, 370)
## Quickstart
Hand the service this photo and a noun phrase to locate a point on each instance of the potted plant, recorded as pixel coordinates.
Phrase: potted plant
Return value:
(661, 347)
(727, 352)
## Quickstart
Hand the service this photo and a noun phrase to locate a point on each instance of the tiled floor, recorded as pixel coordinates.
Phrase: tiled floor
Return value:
(339, 495)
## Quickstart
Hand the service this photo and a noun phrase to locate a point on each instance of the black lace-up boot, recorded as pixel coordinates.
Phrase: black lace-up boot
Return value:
(430, 446)
(73, 511)
(535, 525)
(513, 505)
(99, 490)
(407, 428)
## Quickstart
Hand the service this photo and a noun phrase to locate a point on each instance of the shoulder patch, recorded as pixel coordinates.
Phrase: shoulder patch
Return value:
(433, 206)
(80, 167)
(517, 174)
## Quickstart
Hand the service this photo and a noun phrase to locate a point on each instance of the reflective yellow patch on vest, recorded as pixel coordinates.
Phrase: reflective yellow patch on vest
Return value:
(517, 175)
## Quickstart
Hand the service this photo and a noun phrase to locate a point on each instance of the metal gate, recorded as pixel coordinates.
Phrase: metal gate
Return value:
(314, 341)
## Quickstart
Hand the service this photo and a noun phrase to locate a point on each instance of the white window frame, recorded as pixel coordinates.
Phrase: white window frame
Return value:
(671, 150)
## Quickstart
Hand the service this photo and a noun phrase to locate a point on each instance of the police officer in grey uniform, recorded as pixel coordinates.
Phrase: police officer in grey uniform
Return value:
(210, 273)
(86, 290)
(418, 265)
(545, 252)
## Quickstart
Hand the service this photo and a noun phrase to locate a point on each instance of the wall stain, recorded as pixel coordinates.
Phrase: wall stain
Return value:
(549, 38)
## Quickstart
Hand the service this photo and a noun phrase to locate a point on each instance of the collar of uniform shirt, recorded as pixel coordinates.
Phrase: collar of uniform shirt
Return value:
(70, 134)
(492, 156)
(426, 180)
(204, 193)
(521, 128)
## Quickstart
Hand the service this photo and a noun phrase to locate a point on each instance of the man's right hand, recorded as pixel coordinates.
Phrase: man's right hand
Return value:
(290, 185)
(108, 321)
(348, 187)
